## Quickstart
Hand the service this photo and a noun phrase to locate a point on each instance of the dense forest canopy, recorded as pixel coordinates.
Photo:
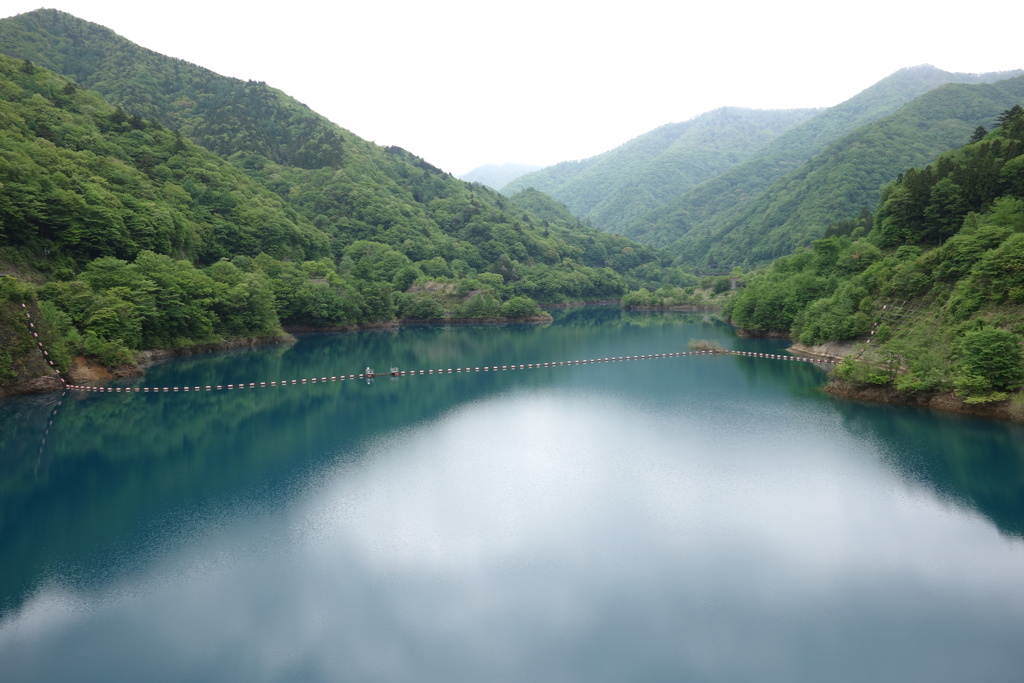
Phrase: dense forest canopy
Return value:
(82, 179)
(224, 115)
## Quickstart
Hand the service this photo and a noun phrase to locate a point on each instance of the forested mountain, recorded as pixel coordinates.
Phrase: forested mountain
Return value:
(224, 115)
(348, 188)
(703, 206)
(718, 205)
(147, 202)
(616, 188)
(845, 178)
(933, 293)
(497, 176)
(81, 179)
(132, 234)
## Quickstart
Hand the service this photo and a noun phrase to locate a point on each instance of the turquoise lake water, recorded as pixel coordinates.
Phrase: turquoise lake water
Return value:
(699, 518)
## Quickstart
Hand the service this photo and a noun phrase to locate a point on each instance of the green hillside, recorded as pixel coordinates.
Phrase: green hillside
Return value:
(717, 202)
(81, 179)
(846, 177)
(149, 203)
(614, 189)
(224, 115)
(933, 296)
(131, 235)
(350, 189)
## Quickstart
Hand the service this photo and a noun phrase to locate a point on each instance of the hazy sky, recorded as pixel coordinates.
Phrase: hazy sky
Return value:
(462, 83)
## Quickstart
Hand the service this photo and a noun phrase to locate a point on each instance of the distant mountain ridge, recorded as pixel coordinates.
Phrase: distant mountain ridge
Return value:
(712, 203)
(745, 211)
(846, 177)
(497, 176)
(620, 185)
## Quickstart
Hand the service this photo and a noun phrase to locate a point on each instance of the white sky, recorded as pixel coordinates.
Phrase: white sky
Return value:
(466, 82)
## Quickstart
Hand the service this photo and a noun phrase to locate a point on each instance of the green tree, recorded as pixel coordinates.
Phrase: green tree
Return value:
(993, 355)
(420, 307)
(519, 307)
(946, 209)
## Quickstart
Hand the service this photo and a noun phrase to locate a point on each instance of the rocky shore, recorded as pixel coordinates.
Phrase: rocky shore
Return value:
(34, 385)
(934, 400)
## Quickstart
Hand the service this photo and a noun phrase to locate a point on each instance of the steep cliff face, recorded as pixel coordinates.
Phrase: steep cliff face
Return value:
(24, 368)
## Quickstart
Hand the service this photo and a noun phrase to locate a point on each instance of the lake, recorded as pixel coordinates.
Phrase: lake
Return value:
(705, 518)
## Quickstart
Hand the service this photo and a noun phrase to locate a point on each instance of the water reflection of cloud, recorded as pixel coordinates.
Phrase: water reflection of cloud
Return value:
(537, 540)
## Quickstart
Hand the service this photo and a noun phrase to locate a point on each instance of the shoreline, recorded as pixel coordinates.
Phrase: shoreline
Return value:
(85, 370)
(409, 322)
(943, 401)
(681, 308)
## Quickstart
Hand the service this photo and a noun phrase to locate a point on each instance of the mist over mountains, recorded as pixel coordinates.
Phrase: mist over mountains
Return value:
(497, 176)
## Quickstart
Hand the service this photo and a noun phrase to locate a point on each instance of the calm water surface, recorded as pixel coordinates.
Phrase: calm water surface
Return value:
(705, 519)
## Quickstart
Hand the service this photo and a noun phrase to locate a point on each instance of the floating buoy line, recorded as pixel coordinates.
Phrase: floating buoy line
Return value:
(43, 351)
(370, 374)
